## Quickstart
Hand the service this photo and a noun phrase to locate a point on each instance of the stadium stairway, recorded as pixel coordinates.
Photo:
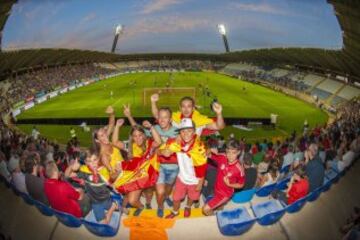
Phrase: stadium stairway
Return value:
(320, 219)
(329, 100)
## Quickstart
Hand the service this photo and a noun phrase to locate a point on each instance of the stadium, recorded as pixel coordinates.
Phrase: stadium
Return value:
(173, 134)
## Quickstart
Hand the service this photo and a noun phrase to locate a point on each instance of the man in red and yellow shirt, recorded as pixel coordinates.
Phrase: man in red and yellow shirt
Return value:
(191, 157)
(187, 110)
(230, 176)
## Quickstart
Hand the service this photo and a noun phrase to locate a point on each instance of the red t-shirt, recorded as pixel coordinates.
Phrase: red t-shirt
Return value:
(298, 190)
(62, 196)
(326, 143)
(234, 171)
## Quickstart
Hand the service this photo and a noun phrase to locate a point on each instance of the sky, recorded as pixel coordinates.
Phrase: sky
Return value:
(171, 25)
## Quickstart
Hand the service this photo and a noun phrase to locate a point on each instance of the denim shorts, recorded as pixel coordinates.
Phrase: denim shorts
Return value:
(168, 173)
(100, 208)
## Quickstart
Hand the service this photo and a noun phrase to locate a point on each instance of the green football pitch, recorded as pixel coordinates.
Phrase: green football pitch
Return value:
(239, 99)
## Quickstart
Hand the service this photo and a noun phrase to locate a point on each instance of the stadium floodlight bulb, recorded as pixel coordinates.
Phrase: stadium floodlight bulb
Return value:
(119, 29)
(222, 29)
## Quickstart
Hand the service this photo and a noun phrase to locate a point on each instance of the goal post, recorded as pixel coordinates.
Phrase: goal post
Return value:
(169, 96)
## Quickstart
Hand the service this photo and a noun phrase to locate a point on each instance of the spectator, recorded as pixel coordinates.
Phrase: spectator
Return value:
(230, 176)
(271, 176)
(250, 172)
(191, 155)
(17, 176)
(62, 196)
(259, 154)
(35, 133)
(315, 170)
(34, 183)
(288, 158)
(298, 187)
(95, 187)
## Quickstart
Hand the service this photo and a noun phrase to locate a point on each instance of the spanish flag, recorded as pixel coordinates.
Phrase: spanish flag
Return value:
(140, 172)
(104, 173)
(196, 151)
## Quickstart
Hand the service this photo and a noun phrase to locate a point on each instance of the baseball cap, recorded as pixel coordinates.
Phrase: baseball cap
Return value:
(186, 123)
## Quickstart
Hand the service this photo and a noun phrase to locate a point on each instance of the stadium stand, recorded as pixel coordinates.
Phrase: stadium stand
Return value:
(349, 92)
(330, 86)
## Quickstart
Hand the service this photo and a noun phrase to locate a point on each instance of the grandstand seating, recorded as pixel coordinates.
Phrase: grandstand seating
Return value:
(321, 94)
(349, 92)
(337, 100)
(277, 72)
(330, 86)
(312, 80)
(234, 222)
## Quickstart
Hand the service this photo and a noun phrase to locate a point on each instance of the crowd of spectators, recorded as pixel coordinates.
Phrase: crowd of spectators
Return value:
(333, 146)
(46, 80)
(285, 81)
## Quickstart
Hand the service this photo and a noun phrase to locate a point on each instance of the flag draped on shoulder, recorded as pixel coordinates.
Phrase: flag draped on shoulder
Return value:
(196, 151)
(139, 172)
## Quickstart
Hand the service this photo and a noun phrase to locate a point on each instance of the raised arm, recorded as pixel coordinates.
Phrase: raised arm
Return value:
(110, 111)
(154, 109)
(219, 124)
(154, 133)
(127, 113)
(115, 136)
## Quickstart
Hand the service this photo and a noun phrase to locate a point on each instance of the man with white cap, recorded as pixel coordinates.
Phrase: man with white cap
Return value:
(191, 156)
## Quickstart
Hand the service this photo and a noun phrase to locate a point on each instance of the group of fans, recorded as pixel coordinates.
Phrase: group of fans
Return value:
(171, 160)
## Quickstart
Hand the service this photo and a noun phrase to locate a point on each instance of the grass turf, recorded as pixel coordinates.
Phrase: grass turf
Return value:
(239, 99)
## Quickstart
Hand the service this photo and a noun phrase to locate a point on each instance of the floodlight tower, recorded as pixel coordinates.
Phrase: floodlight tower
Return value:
(222, 31)
(119, 30)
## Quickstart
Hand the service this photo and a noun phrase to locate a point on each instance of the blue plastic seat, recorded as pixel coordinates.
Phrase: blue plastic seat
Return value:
(234, 222)
(27, 199)
(244, 196)
(44, 209)
(67, 219)
(285, 169)
(268, 212)
(314, 194)
(332, 175)
(283, 183)
(103, 230)
(265, 190)
(297, 205)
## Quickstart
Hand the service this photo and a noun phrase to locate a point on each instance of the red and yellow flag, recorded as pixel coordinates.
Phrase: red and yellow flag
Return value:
(140, 172)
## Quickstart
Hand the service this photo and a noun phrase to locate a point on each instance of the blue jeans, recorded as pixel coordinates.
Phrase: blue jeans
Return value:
(100, 208)
(168, 174)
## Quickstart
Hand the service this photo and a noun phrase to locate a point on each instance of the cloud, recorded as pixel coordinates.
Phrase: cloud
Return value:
(158, 5)
(89, 17)
(259, 8)
(167, 24)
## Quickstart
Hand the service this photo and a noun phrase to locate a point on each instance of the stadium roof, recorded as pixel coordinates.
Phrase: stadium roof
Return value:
(345, 61)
